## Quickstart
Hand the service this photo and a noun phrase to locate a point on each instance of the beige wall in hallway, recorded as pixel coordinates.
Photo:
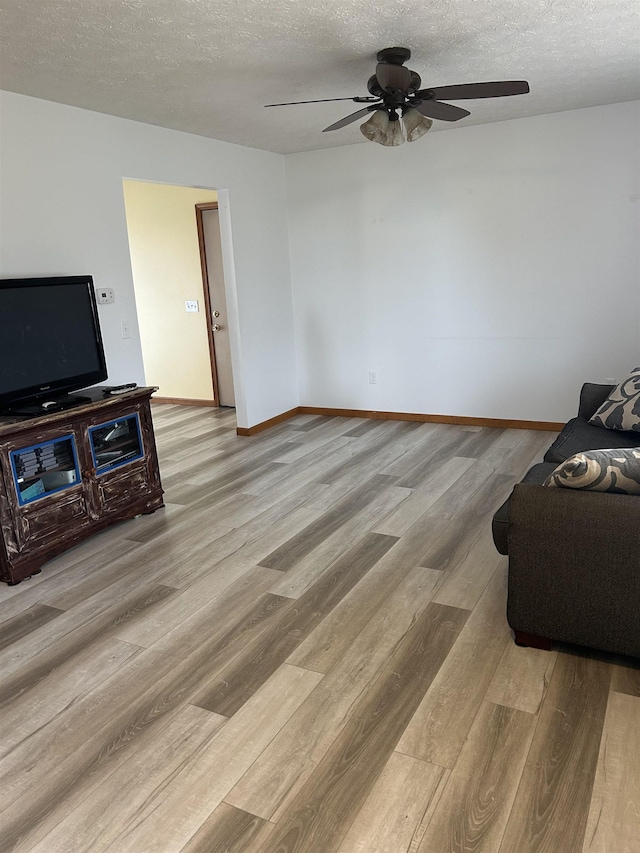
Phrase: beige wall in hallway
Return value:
(165, 262)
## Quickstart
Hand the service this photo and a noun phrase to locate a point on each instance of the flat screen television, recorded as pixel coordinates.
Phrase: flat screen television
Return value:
(50, 342)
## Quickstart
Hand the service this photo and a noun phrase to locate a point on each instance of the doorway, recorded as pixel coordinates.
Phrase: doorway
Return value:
(215, 302)
(174, 314)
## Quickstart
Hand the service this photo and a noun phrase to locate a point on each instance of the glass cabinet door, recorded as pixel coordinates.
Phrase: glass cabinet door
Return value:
(42, 469)
(116, 442)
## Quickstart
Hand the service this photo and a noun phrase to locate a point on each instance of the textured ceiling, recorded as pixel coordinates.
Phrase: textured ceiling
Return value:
(209, 66)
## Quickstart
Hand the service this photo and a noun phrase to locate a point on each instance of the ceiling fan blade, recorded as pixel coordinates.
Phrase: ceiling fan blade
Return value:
(444, 112)
(348, 119)
(477, 90)
(393, 77)
(357, 98)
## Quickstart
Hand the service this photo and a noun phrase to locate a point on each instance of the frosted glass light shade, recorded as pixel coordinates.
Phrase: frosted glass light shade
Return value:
(415, 124)
(375, 128)
(394, 135)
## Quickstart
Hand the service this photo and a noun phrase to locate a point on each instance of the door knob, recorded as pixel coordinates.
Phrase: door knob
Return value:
(216, 327)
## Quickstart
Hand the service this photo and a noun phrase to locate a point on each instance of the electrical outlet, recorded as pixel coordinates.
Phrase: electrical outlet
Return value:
(125, 331)
(373, 377)
(191, 306)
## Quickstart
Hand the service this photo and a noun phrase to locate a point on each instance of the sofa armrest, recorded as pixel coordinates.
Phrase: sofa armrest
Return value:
(574, 566)
(592, 396)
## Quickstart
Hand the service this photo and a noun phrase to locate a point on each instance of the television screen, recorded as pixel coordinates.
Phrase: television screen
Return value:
(50, 340)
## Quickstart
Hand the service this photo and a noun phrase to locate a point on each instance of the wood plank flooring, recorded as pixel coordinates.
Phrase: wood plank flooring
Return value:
(306, 651)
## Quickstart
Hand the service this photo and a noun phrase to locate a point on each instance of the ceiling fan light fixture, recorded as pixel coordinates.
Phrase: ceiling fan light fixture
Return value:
(394, 134)
(396, 93)
(383, 127)
(415, 124)
(376, 127)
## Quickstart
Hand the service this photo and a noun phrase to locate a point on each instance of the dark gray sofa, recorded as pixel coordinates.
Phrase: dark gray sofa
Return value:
(574, 556)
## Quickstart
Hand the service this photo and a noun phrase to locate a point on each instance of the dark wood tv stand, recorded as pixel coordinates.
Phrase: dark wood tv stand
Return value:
(68, 474)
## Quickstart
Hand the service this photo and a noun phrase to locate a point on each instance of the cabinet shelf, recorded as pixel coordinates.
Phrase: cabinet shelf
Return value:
(44, 468)
(115, 442)
(30, 477)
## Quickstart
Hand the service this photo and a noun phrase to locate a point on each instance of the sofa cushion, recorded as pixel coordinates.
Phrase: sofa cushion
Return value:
(578, 435)
(621, 410)
(592, 396)
(535, 476)
(616, 470)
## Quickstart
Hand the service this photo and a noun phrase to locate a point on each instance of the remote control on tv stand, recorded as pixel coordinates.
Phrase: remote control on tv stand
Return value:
(120, 389)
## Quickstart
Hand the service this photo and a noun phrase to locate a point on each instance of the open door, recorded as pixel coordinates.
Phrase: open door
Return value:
(215, 303)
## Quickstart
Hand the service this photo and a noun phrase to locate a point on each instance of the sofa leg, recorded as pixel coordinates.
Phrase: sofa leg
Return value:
(532, 640)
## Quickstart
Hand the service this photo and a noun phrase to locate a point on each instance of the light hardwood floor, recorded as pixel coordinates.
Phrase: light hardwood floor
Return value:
(307, 651)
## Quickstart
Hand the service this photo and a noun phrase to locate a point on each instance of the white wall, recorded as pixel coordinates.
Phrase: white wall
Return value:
(62, 212)
(483, 271)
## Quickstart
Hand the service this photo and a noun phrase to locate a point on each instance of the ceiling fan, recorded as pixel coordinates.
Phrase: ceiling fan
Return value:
(395, 93)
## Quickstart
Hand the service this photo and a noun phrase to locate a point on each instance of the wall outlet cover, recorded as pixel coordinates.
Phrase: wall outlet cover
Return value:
(191, 306)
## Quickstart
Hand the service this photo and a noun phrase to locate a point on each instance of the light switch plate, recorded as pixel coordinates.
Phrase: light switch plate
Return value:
(191, 305)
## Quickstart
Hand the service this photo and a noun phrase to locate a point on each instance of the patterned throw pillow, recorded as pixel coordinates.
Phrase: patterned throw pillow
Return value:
(601, 471)
(622, 408)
